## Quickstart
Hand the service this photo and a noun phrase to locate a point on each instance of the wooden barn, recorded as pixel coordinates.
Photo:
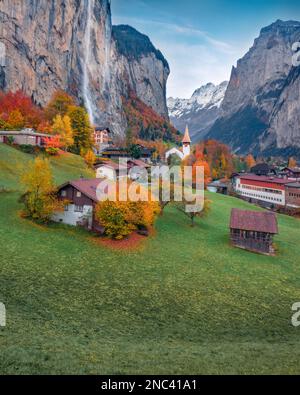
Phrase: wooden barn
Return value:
(253, 230)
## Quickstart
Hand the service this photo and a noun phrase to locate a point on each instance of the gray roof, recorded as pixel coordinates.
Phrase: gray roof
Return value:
(24, 132)
(293, 185)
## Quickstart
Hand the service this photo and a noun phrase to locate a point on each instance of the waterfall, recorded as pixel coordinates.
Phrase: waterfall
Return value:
(87, 59)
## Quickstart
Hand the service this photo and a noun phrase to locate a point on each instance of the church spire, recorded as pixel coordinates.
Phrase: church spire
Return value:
(186, 142)
(186, 138)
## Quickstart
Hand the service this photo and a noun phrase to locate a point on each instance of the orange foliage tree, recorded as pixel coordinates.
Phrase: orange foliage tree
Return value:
(250, 161)
(53, 144)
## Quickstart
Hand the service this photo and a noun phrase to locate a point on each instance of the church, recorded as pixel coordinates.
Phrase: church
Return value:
(186, 147)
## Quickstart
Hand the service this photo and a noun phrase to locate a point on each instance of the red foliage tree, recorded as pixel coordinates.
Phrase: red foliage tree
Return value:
(12, 102)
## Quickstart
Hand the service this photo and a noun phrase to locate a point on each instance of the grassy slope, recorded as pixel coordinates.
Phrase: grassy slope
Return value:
(13, 162)
(187, 303)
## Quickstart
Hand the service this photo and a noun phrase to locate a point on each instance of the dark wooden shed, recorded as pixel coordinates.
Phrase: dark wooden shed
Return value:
(253, 230)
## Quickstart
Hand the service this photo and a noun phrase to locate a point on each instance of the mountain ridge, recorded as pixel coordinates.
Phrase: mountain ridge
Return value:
(200, 111)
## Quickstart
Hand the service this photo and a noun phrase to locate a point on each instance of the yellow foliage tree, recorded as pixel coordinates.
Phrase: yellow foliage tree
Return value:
(90, 158)
(292, 163)
(16, 120)
(121, 218)
(39, 197)
(62, 127)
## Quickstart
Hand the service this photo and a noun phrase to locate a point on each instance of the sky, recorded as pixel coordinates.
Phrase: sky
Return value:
(201, 39)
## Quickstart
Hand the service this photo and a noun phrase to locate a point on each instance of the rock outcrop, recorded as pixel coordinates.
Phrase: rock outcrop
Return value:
(200, 111)
(261, 107)
(71, 45)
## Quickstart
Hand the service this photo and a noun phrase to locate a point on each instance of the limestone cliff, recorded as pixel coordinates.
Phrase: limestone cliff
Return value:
(260, 110)
(68, 44)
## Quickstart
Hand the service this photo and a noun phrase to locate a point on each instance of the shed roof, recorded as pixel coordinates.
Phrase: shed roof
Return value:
(259, 221)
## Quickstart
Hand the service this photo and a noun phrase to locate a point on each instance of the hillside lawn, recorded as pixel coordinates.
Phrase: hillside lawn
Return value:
(186, 302)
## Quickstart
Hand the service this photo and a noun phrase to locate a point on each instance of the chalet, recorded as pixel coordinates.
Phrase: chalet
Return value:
(263, 169)
(253, 231)
(138, 169)
(24, 137)
(291, 172)
(116, 153)
(110, 170)
(81, 198)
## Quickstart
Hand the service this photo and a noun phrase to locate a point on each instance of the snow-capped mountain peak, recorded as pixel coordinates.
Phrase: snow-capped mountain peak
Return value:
(200, 110)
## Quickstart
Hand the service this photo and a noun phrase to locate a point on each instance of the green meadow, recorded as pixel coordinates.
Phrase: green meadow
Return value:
(185, 302)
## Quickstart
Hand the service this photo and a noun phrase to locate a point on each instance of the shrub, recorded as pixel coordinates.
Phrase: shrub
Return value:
(27, 149)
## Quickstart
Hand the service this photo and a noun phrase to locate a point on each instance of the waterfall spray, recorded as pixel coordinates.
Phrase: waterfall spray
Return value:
(87, 59)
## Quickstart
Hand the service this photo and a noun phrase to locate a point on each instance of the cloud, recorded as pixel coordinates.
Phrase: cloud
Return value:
(195, 57)
(185, 30)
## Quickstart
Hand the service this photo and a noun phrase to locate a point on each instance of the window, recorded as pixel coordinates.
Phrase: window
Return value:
(78, 209)
(63, 193)
(66, 208)
(78, 194)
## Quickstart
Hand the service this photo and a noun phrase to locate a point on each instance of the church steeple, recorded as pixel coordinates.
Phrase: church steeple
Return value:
(186, 142)
(186, 137)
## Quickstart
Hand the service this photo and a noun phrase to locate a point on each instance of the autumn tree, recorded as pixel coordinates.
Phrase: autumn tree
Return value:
(39, 197)
(16, 120)
(121, 218)
(82, 131)
(90, 158)
(250, 161)
(292, 163)
(62, 127)
(18, 110)
(192, 215)
(52, 144)
(207, 175)
(58, 105)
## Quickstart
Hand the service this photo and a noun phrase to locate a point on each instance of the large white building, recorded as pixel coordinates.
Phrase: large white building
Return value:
(270, 190)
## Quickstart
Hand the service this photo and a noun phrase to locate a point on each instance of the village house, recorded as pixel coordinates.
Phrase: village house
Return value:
(263, 169)
(81, 198)
(291, 172)
(24, 137)
(111, 171)
(219, 186)
(134, 169)
(115, 153)
(102, 139)
(253, 231)
(293, 195)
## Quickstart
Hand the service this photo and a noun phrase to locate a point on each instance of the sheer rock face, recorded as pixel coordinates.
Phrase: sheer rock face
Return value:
(67, 44)
(260, 111)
